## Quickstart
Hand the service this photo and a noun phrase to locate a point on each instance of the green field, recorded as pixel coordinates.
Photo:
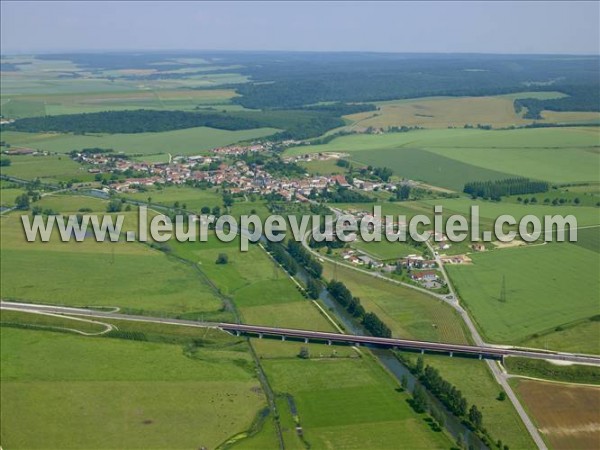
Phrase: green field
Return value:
(110, 393)
(261, 290)
(193, 198)
(49, 169)
(582, 337)
(540, 282)
(19, 106)
(350, 404)
(190, 141)
(75, 273)
(407, 312)
(545, 370)
(449, 157)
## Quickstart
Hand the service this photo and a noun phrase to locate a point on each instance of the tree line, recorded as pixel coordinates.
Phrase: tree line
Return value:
(510, 186)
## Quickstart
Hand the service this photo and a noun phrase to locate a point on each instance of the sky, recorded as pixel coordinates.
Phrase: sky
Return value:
(440, 27)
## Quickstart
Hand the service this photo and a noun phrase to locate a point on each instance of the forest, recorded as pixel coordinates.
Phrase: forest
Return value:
(294, 124)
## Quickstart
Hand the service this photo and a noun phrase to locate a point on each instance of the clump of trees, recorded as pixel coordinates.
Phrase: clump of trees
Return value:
(222, 258)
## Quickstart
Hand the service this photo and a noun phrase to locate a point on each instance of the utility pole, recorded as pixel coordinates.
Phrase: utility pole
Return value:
(503, 290)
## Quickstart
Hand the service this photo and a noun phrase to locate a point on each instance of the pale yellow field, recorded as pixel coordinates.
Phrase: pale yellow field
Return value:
(570, 116)
(443, 112)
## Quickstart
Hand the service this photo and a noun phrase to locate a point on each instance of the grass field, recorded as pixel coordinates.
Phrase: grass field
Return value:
(540, 282)
(261, 290)
(546, 370)
(409, 313)
(190, 141)
(110, 393)
(582, 337)
(75, 273)
(193, 198)
(449, 157)
(8, 196)
(49, 169)
(350, 404)
(575, 424)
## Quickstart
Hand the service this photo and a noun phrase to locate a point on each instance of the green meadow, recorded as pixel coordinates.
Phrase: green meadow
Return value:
(75, 273)
(49, 169)
(190, 141)
(350, 403)
(112, 394)
(540, 282)
(408, 313)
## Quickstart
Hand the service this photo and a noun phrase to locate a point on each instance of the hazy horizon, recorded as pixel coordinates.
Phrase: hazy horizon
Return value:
(514, 28)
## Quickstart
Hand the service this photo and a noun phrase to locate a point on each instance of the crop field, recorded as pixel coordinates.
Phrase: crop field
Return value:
(161, 283)
(539, 290)
(350, 402)
(450, 157)
(409, 313)
(52, 104)
(575, 424)
(444, 112)
(190, 141)
(49, 169)
(489, 211)
(475, 381)
(111, 400)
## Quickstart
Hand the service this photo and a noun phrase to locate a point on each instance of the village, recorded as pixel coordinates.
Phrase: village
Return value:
(225, 166)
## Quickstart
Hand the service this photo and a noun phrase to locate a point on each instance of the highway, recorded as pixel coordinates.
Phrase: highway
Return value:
(477, 351)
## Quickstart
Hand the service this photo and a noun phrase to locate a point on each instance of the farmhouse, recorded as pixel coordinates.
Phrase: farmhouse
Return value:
(426, 275)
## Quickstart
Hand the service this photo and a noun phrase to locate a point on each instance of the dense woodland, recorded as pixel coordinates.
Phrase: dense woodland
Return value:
(580, 98)
(295, 124)
(293, 80)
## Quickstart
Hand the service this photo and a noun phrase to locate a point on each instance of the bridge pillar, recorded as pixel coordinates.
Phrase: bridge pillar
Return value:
(451, 354)
(306, 340)
(357, 344)
(480, 357)
(237, 333)
(328, 342)
(422, 352)
(283, 338)
(260, 335)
